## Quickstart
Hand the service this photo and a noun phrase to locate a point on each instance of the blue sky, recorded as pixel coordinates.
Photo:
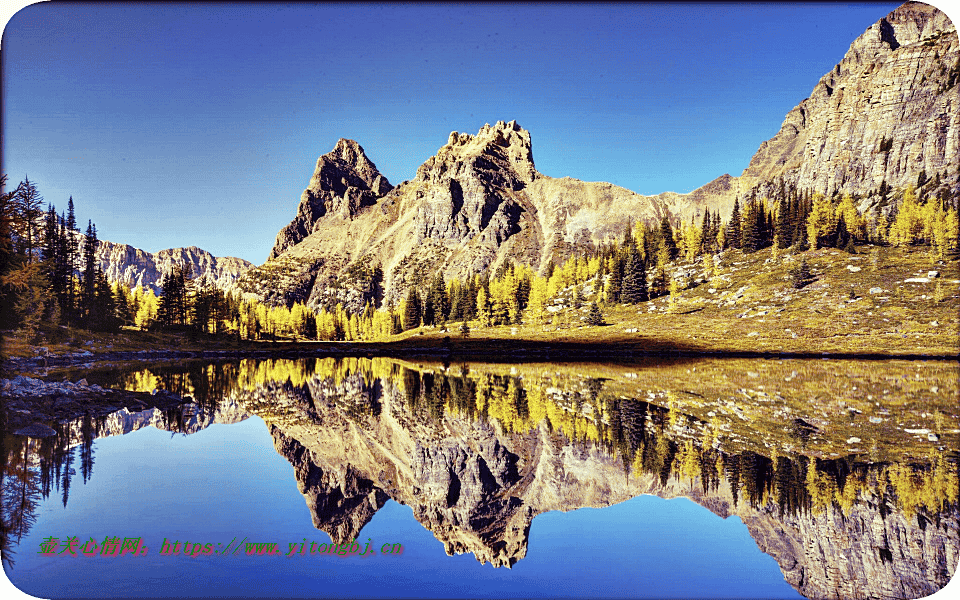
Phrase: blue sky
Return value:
(200, 124)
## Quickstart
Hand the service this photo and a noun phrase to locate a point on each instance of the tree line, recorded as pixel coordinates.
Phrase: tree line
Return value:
(49, 272)
(48, 268)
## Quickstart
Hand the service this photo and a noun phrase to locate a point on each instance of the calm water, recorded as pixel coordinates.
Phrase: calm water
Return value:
(543, 480)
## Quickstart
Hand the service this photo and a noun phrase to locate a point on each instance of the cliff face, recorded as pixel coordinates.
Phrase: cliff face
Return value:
(887, 112)
(133, 267)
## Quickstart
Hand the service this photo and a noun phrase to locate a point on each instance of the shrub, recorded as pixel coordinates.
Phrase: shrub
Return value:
(800, 275)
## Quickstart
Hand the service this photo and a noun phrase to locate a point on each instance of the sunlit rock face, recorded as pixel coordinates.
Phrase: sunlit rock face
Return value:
(887, 112)
(134, 267)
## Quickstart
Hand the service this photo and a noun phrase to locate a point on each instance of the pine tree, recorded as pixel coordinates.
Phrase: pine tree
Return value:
(782, 230)
(429, 315)
(734, 226)
(412, 310)
(842, 237)
(594, 316)
(708, 237)
(750, 236)
(801, 275)
(88, 297)
(634, 280)
(441, 301)
(71, 255)
(175, 306)
(614, 288)
(666, 238)
(29, 205)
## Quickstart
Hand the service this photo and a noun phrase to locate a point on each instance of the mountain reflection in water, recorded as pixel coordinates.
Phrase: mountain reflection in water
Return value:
(845, 472)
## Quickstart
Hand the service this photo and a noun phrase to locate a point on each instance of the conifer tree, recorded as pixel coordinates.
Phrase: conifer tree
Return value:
(456, 314)
(708, 236)
(666, 238)
(634, 280)
(842, 236)
(29, 204)
(614, 286)
(429, 315)
(412, 310)
(782, 230)
(734, 226)
(821, 226)
(594, 316)
(441, 301)
(750, 235)
(88, 298)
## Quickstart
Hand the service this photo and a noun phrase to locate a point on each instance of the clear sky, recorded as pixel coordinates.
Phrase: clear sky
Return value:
(200, 124)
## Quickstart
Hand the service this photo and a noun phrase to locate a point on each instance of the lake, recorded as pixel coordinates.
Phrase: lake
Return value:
(656, 478)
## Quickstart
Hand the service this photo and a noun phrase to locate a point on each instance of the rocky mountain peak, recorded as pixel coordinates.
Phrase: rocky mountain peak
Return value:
(507, 144)
(343, 182)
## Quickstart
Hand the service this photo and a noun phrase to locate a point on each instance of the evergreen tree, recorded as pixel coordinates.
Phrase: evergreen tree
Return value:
(88, 297)
(801, 275)
(412, 310)
(124, 311)
(105, 311)
(441, 302)
(175, 306)
(456, 314)
(842, 237)
(594, 316)
(782, 230)
(634, 280)
(429, 315)
(750, 235)
(29, 204)
(708, 237)
(666, 237)
(468, 299)
(734, 226)
(614, 282)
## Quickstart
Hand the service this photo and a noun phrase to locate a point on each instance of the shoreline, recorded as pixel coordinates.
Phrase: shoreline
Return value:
(493, 350)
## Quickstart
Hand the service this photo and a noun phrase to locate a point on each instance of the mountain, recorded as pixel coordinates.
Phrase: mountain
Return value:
(476, 204)
(343, 182)
(133, 267)
(886, 114)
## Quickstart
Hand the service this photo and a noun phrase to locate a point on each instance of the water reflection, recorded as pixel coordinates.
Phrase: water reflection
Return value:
(844, 471)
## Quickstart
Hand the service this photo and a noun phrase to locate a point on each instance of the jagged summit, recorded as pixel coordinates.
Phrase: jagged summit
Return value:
(343, 182)
(885, 117)
(507, 144)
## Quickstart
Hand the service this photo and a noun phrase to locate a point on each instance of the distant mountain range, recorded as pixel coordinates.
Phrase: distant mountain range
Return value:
(133, 267)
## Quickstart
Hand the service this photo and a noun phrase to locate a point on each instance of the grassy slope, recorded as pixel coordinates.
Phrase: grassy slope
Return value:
(752, 306)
